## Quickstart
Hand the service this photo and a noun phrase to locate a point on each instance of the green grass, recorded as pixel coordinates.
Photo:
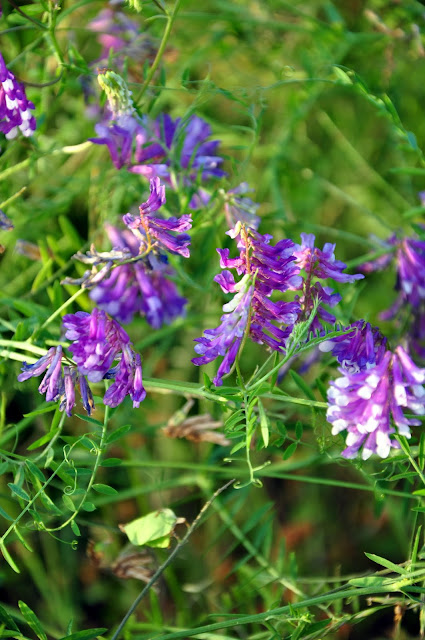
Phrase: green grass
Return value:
(319, 108)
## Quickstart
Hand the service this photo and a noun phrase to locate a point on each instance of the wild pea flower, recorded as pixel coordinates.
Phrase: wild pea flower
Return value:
(153, 231)
(15, 108)
(98, 340)
(320, 264)
(226, 339)
(122, 127)
(139, 287)
(120, 37)
(161, 145)
(239, 208)
(363, 404)
(182, 145)
(59, 380)
(416, 335)
(409, 256)
(410, 264)
(360, 349)
(6, 223)
(265, 269)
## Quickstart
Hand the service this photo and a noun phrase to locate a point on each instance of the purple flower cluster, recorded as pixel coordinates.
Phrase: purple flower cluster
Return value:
(360, 349)
(319, 264)
(139, 287)
(161, 148)
(59, 381)
(265, 269)
(362, 403)
(410, 261)
(134, 277)
(409, 257)
(178, 144)
(153, 231)
(97, 341)
(15, 108)
(226, 339)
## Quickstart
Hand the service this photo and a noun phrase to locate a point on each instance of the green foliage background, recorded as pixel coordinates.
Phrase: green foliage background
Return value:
(294, 91)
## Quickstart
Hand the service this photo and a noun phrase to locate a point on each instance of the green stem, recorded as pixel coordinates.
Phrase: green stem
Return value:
(71, 149)
(332, 596)
(30, 503)
(404, 445)
(168, 561)
(52, 36)
(26, 346)
(12, 198)
(160, 52)
(63, 306)
(93, 474)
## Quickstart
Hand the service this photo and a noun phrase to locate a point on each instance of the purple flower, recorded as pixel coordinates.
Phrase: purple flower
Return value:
(122, 129)
(156, 231)
(239, 208)
(409, 256)
(320, 264)
(59, 381)
(15, 108)
(5, 223)
(410, 259)
(98, 340)
(265, 269)
(119, 136)
(226, 339)
(179, 144)
(128, 380)
(140, 287)
(363, 403)
(360, 349)
(416, 336)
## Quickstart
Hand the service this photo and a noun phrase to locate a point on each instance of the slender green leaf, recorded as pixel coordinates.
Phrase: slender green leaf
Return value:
(387, 563)
(18, 491)
(32, 620)
(7, 619)
(289, 451)
(43, 440)
(35, 471)
(118, 433)
(88, 506)
(4, 514)
(302, 385)
(8, 557)
(264, 424)
(104, 488)
(88, 634)
(111, 462)
(44, 408)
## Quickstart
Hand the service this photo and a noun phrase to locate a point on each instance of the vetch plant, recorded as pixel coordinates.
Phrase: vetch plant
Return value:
(164, 138)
